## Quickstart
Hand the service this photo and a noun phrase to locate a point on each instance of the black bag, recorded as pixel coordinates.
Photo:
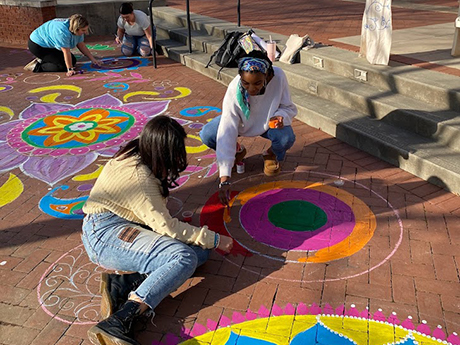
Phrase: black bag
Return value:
(230, 51)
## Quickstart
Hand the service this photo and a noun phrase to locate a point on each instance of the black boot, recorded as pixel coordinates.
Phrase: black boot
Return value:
(115, 289)
(116, 329)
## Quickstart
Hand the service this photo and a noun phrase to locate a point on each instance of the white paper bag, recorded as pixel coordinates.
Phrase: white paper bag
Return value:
(376, 32)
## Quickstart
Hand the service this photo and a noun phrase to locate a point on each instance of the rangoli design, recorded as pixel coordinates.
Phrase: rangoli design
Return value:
(303, 325)
(63, 208)
(51, 141)
(116, 65)
(299, 222)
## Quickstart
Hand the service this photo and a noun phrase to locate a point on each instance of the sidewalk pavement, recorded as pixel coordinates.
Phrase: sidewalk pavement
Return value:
(383, 245)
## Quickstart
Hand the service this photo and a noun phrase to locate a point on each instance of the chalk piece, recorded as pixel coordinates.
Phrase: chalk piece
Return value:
(339, 182)
(3, 263)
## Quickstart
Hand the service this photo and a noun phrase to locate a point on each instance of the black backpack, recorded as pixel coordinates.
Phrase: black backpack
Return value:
(229, 52)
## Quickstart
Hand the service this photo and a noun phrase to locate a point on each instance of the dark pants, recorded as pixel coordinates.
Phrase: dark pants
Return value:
(52, 59)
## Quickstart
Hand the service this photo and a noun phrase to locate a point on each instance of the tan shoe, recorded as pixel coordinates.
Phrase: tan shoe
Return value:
(271, 165)
(31, 65)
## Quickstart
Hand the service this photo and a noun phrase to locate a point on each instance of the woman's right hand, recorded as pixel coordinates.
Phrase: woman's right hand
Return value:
(225, 243)
(224, 195)
(117, 40)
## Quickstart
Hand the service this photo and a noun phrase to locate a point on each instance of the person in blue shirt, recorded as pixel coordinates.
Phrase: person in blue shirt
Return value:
(52, 41)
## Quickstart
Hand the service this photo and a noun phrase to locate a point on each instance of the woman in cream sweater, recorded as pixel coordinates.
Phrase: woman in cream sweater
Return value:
(128, 227)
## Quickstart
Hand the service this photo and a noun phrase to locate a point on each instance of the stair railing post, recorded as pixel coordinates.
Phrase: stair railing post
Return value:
(189, 28)
(153, 35)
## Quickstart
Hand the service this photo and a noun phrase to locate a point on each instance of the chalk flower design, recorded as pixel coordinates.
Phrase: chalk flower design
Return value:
(51, 141)
(85, 128)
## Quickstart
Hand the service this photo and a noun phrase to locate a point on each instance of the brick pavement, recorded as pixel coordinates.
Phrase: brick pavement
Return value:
(408, 263)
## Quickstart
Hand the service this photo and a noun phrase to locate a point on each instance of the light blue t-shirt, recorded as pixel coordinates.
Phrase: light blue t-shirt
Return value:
(55, 34)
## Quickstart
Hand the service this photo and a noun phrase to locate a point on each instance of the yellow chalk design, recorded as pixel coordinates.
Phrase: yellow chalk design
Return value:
(183, 92)
(51, 98)
(90, 176)
(7, 110)
(195, 149)
(10, 190)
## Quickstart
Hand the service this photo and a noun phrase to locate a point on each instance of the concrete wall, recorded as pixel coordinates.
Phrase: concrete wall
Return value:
(102, 14)
(19, 18)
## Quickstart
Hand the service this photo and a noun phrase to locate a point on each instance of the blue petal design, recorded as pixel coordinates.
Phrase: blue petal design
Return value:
(236, 339)
(318, 334)
(408, 341)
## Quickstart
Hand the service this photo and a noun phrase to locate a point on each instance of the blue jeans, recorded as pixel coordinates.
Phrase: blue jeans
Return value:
(135, 44)
(282, 138)
(115, 243)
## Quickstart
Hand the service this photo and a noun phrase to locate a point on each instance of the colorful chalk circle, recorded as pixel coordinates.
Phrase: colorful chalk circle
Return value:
(116, 87)
(116, 64)
(198, 111)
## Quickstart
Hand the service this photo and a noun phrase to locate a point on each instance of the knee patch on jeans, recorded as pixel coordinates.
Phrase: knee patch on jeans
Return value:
(129, 234)
(127, 49)
(144, 51)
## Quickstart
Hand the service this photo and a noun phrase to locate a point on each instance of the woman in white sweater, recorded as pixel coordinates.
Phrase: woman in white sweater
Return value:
(257, 102)
(128, 227)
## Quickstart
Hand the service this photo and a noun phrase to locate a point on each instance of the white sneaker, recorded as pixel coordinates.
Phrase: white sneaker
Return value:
(31, 65)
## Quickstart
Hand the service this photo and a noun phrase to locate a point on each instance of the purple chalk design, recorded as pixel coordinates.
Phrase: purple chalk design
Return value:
(85, 187)
(339, 225)
(55, 163)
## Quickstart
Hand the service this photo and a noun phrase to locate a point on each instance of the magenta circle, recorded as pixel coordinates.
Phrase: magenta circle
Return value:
(339, 225)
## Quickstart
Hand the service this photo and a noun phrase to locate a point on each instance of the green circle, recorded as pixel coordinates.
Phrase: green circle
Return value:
(297, 215)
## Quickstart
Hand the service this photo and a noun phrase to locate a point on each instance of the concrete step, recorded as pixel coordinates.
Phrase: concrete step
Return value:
(429, 120)
(386, 124)
(438, 89)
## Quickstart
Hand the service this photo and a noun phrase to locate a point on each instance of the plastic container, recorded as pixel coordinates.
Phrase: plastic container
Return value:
(187, 216)
(240, 168)
(271, 51)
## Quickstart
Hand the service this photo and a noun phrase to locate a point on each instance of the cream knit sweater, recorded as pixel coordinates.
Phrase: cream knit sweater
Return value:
(132, 192)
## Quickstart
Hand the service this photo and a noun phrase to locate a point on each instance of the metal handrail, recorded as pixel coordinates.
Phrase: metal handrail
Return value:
(238, 12)
(153, 36)
(189, 27)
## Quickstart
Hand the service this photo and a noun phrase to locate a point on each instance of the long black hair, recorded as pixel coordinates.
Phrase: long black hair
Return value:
(161, 147)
